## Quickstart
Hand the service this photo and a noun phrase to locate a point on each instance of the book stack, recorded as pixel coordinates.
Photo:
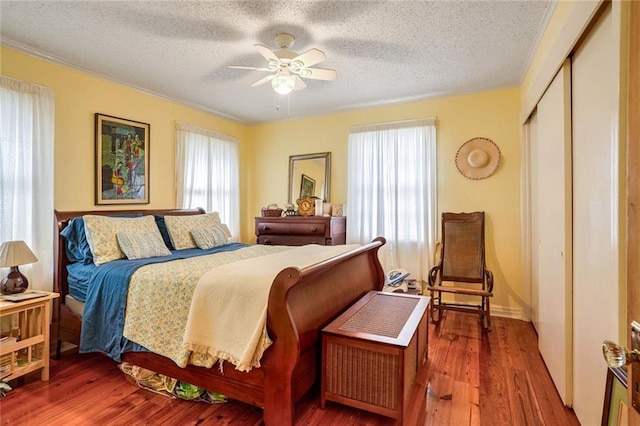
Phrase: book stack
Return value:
(5, 360)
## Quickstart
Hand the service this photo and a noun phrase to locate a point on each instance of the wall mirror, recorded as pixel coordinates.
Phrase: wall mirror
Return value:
(310, 175)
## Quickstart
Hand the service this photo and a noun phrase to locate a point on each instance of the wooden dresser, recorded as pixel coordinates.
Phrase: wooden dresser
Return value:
(301, 230)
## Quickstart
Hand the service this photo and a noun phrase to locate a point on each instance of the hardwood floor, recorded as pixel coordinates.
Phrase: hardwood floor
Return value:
(470, 378)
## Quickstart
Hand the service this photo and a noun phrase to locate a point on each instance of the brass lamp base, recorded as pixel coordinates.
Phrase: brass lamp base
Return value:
(14, 283)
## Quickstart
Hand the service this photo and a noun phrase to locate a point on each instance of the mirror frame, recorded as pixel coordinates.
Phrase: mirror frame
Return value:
(327, 172)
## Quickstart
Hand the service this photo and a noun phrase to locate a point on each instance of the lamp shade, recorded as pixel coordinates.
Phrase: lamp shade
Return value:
(14, 253)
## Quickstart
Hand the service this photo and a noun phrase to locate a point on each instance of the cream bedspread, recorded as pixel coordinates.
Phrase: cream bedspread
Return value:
(228, 314)
(159, 303)
(159, 299)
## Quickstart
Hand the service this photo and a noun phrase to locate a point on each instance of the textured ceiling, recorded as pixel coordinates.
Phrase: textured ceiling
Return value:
(384, 51)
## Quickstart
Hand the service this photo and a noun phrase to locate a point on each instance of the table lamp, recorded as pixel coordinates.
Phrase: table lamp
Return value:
(12, 254)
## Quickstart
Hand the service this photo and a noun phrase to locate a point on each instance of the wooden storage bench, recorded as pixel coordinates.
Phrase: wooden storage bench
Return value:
(372, 352)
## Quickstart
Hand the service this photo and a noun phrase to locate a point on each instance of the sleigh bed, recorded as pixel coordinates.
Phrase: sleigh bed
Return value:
(300, 303)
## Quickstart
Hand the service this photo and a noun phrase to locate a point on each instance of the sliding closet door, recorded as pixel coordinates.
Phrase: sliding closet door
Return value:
(596, 207)
(532, 191)
(550, 157)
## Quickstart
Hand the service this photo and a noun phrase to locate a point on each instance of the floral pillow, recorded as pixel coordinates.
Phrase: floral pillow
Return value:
(102, 234)
(180, 228)
(141, 245)
(207, 238)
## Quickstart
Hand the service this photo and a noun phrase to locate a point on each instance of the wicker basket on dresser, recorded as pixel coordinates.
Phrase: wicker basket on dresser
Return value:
(301, 230)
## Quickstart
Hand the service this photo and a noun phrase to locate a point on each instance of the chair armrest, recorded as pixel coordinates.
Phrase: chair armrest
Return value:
(433, 274)
(489, 277)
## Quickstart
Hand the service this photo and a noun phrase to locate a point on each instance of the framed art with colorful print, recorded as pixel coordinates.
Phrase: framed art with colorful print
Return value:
(122, 161)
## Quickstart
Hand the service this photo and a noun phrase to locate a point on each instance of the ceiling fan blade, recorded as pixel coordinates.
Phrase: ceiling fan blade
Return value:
(240, 67)
(310, 57)
(300, 84)
(266, 52)
(263, 81)
(318, 73)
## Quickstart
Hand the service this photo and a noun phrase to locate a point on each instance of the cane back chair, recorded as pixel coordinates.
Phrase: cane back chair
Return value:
(461, 269)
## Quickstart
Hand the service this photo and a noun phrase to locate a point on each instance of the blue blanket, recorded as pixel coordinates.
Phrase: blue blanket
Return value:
(106, 300)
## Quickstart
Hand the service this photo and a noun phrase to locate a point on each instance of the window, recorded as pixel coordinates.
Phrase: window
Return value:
(207, 173)
(391, 191)
(26, 174)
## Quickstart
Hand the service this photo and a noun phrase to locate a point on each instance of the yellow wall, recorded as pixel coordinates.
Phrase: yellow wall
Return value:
(491, 114)
(78, 97)
(265, 151)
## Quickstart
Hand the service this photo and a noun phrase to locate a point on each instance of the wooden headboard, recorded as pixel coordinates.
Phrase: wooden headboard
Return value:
(62, 220)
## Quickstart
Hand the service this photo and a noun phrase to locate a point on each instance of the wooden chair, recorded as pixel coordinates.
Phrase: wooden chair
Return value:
(462, 266)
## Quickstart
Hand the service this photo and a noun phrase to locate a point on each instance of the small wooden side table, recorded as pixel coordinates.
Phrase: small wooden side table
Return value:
(26, 346)
(373, 351)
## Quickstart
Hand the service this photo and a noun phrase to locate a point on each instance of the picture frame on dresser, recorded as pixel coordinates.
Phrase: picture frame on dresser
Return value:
(307, 186)
(122, 161)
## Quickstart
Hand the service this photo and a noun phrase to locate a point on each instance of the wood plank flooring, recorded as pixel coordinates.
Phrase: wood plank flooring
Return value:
(471, 378)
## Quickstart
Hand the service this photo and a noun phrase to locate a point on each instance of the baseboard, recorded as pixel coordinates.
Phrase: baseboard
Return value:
(508, 312)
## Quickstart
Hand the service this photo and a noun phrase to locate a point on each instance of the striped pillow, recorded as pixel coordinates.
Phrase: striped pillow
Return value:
(180, 227)
(207, 238)
(140, 245)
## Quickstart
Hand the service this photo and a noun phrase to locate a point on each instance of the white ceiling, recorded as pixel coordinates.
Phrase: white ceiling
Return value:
(384, 51)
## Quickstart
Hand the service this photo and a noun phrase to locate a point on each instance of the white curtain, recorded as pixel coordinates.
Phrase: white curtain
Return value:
(391, 191)
(26, 174)
(207, 173)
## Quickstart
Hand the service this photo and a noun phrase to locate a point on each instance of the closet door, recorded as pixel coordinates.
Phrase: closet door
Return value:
(550, 156)
(597, 212)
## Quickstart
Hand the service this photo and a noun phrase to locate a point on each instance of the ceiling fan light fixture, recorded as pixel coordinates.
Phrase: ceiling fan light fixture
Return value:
(283, 84)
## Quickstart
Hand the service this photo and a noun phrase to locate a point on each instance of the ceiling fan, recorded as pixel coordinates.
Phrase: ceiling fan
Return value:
(288, 67)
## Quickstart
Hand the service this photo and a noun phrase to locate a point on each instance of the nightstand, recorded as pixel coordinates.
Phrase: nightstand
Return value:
(25, 348)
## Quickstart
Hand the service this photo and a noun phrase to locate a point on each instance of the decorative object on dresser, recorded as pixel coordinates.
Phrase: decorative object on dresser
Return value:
(307, 186)
(306, 206)
(272, 210)
(301, 230)
(337, 210)
(122, 161)
(290, 210)
(310, 175)
(300, 301)
(13, 254)
(387, 334)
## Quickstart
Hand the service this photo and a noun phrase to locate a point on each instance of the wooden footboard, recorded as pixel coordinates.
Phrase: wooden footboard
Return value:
(301, 302)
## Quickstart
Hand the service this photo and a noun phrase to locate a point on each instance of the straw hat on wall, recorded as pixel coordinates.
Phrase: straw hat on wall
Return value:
(478, 158)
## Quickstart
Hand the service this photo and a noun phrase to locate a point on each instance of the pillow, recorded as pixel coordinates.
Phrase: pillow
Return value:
(77, 246)
(207, 238)
(140, 245)
(227, 231)
(101, 234)
(180, 228)
(162, 227)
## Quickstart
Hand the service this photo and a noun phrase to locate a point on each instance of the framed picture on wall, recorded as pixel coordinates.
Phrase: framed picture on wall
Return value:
(307, 186)
(122, 161)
